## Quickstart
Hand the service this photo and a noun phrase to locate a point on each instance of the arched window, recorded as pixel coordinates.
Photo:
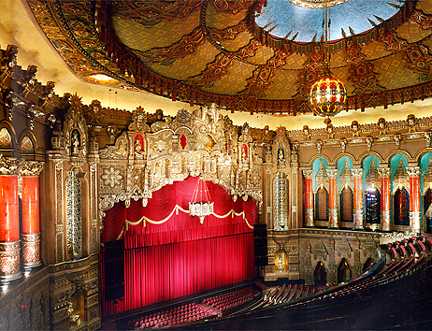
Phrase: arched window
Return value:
(372, 206)
(344, 272)
(320, 274)
(321, 204)
(401, 207)
(346, 205)
(368, 264)
(428, 209)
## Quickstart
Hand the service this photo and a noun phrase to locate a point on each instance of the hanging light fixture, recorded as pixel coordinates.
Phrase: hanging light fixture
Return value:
(328, 95)
(201, 205)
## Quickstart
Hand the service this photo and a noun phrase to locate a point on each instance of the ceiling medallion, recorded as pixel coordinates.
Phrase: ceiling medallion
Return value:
(317, 3)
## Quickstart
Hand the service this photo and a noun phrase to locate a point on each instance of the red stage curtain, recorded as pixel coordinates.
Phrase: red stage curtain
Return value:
(180, 257)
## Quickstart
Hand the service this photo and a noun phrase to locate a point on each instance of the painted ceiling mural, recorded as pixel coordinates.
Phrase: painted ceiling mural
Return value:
(246, 55)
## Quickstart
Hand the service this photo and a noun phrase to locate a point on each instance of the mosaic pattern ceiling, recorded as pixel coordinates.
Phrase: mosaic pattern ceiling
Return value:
(303, 20)
(214, 51)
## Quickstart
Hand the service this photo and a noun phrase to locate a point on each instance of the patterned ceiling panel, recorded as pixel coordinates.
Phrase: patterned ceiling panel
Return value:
(164, 34)
(204, 51)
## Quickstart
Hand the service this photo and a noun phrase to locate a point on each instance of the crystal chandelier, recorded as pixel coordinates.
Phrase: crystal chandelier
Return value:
(328, 95)
(201, 206)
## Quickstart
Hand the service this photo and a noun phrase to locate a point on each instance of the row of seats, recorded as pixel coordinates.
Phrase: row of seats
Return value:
(409, 247)
(230, 300)
(407, 257)
(191, 312)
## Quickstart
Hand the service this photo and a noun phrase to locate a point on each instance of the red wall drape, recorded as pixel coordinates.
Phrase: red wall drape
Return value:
(180, 257)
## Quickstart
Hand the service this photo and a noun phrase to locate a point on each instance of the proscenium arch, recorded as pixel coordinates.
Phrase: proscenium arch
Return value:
(106, 202)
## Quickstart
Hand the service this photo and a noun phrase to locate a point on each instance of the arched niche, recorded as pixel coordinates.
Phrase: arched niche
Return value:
(427, 207)
(318, 165)
(27, 144)
(399, 186)
(372, 202)
(425, 164)
(401, 206)
(6, 140)
(368, 264)
(345, 188)
(370, 164)
(344, 273)
(346, 204)
(280, 190)
(321, 204)
(320, 274)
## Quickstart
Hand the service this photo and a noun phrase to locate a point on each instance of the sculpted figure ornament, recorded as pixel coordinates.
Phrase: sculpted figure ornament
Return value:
(369, 142)
(306, 132)
(382, 126)
(319, 145)
(75, 142)
(412, 123)
(355, 128)
(428, 137)
(397, 139)
(343, 144)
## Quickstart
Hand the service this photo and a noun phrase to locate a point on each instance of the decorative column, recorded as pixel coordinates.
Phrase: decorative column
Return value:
(30, 230)
(414, 213)
(385, 198)
(333, 213)
(308, 198)
(357, 174)
(9, 221)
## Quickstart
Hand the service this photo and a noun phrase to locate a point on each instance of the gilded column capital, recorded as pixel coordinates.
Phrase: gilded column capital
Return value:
(413, 171)
(8, 166)
(384, 171)
(332, 172)
(357, 172)
(307, 173)
(30, 168)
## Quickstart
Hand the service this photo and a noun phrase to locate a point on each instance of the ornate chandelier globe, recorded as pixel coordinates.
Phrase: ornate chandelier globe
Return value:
(201, 204)
(327, 95)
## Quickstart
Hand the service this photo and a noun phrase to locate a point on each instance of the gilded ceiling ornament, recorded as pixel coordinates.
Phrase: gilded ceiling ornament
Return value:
(263, 75)
(232, 6)
(150, 13)
(317, 3)
(187, 45)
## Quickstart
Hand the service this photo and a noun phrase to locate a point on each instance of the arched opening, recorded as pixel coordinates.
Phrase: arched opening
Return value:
(368, 264)
(372, 206)
(346, 204)
(320, 274)
(401, 207)
(344, 272)
(321, 204)
(428, 209)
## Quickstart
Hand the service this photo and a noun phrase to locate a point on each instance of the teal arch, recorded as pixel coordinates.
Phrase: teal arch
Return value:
(315, 168)
(366, 163)
(423, 164)
(340, 165)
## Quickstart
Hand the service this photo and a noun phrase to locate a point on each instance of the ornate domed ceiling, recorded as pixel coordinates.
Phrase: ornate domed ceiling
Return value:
(254, 56)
